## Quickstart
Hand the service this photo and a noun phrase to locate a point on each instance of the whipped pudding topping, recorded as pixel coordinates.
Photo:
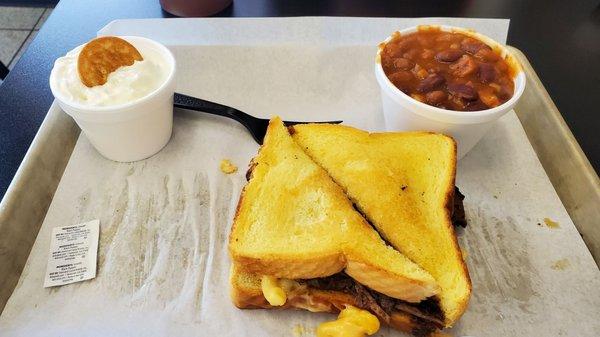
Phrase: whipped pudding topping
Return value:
(124, 85)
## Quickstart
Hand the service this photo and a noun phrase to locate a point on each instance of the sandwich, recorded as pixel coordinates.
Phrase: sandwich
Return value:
(300, 240)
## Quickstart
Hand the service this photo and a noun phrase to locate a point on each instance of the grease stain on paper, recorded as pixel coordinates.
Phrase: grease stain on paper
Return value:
(551, 224)
(499, 263)
(153, 246)
(561, 264)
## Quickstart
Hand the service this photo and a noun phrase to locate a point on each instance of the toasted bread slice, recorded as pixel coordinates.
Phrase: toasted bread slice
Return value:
(246, 293)
(403, 183)
(294, 222)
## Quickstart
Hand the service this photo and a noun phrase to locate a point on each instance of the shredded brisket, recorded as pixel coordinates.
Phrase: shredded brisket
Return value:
(458, 209)
(427, 315)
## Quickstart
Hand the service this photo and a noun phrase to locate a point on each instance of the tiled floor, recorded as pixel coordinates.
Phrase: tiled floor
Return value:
(18, 27)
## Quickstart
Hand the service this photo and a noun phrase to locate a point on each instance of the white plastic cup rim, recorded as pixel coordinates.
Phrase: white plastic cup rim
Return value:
(83, 110)
(452, 116)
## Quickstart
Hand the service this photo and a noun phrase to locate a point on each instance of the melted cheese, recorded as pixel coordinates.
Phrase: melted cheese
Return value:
(273, 291)
(352, 322)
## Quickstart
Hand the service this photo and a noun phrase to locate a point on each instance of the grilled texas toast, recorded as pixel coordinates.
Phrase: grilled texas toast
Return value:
(403, 183)
(294, 222)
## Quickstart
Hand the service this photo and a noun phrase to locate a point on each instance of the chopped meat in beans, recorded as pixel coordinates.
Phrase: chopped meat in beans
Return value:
(487, 72)
(464, 67)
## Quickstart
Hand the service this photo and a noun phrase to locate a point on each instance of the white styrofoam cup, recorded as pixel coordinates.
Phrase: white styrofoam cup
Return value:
(135, 130)
(404, 113)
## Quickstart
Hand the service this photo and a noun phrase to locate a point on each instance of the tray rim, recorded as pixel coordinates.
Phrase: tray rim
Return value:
(14, 206)
(576, 189)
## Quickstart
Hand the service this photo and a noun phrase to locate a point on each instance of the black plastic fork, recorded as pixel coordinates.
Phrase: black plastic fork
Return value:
(256, 126)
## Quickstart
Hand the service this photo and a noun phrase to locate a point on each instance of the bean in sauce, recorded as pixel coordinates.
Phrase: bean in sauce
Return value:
(449, 70)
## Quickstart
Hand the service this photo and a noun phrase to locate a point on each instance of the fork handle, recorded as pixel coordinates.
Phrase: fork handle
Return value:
(197, 104)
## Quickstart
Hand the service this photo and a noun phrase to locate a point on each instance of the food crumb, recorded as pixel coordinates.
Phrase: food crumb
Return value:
(561, 264)
(298, 330)
(227, 166)
(551, 224)
(495, 197)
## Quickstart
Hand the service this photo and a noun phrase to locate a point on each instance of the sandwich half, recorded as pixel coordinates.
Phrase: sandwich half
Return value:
(403, 184)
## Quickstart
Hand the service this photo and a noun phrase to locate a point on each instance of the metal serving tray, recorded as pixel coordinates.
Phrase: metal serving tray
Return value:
(25, 205)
